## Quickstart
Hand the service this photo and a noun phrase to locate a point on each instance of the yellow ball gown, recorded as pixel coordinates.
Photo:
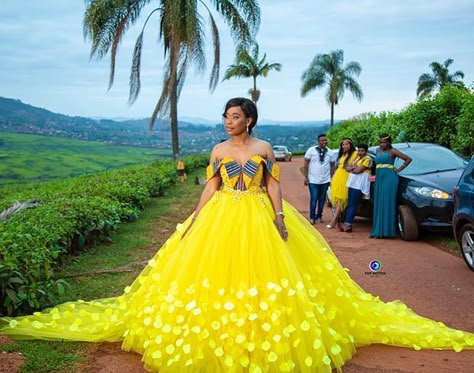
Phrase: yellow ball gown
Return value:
(232, 296)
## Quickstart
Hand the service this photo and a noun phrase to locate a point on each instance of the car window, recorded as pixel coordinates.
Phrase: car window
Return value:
(430, 159)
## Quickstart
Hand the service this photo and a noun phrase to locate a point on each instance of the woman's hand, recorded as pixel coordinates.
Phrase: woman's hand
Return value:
(280, 225)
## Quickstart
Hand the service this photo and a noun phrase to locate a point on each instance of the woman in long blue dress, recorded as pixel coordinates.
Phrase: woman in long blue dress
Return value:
(386, 183)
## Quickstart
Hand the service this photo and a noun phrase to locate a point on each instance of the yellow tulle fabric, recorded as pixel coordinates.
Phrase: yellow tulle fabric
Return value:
(232, 296)
(339, 190)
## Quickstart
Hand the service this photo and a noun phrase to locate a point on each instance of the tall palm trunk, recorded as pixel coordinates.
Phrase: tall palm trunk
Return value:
(255, 97)
(332, 115)
(174, 120)
(173, 95)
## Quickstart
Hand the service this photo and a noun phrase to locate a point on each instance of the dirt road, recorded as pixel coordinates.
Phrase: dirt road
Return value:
(432, 282)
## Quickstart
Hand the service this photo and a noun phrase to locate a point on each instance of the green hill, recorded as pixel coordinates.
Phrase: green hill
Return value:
(18, 117)
(25, 158)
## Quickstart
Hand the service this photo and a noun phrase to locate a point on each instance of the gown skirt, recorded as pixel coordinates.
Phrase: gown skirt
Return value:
(232, 296)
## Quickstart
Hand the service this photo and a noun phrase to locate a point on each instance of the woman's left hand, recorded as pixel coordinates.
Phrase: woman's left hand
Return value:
(280, 225)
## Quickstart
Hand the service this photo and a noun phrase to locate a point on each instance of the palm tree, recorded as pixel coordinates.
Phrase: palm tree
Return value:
(181, 29)
(328, 70)
(428, 83)
(250, 65)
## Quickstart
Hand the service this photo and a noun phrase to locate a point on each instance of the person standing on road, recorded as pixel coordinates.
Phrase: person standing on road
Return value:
(358, 184)
(386, 184)
(318, 168)
(339, 191)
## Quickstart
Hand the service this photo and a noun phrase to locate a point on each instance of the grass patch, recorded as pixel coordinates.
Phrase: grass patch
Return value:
(442, 240)
(45, 356)
(132, 246)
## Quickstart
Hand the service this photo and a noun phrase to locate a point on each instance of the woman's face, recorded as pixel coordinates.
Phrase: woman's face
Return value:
(384, 144)
(361, 152)
(346, 146)
(235, 121)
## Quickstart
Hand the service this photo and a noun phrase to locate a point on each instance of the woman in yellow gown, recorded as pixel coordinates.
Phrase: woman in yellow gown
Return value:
(245, 284)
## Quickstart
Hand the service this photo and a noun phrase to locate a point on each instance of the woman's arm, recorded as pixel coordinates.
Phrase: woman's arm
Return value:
(407, 159)
(274, 193)
(358, 169)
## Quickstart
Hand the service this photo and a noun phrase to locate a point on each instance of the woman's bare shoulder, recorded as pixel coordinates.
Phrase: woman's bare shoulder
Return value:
(265, 149)
(220, 150)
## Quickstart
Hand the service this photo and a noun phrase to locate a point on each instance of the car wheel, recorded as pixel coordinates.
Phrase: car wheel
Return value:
(289, 159)
(407, 223)
(466, 242)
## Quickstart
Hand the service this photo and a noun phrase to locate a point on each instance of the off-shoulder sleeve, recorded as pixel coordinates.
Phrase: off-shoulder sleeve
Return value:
(273, 169)
(213, 168)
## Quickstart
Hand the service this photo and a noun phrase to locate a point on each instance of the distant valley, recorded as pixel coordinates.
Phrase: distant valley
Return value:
(194, 136)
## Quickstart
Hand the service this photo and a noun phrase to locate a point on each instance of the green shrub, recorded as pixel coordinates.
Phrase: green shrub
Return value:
(463, 141)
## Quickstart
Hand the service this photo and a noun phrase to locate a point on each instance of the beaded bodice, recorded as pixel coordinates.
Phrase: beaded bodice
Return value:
(243, 177)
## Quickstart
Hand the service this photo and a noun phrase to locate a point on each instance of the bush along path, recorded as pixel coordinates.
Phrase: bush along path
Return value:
(104, 268)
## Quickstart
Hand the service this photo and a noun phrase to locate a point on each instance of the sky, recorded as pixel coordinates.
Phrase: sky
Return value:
(45, 60)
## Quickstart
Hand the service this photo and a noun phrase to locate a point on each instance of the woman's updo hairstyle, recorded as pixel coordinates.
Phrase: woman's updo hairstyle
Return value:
(248, 107)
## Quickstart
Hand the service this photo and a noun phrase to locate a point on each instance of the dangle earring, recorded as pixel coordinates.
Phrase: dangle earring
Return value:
(247, 129)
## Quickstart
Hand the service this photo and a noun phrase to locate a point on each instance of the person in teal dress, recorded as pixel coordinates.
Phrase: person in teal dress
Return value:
(384, 223)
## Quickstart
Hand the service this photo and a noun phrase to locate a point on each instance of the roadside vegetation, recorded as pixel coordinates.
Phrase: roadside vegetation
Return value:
(445, 118)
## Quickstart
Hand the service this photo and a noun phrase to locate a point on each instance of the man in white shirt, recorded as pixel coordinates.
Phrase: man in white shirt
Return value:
(318, 168)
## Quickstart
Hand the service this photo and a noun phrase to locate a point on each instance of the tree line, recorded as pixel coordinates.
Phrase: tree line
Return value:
(445, 118)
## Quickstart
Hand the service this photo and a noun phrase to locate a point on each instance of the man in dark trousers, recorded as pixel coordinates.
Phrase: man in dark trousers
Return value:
(318, 167)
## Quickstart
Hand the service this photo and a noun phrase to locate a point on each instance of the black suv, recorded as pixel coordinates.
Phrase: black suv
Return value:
(463, 218)
(424, 196)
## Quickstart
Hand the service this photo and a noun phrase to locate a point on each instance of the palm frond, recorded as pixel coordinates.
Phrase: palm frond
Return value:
(312, 79)
(353, 68)
(105, 22)
(214, 77)
(135, 83)
(457, 75)
(242, 28)
(426, 84)
(353, 86)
